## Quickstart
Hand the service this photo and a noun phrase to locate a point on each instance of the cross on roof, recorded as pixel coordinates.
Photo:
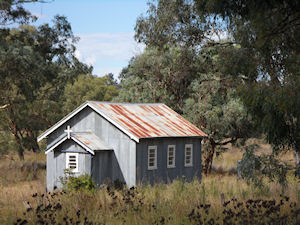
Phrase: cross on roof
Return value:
(68, 131)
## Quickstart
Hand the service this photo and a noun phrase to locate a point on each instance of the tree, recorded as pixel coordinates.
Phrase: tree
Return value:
(88, 87)
(35, 65)
(12, 11)
(277, 109)
(270, 31)
(214, 106)
(265, 34)
(160, 76)
(193, 85)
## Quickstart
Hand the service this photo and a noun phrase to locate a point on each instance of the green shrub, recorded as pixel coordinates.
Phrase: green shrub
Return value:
(80, 183)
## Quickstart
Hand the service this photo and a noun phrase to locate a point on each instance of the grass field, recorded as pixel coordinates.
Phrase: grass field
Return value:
(220, 198)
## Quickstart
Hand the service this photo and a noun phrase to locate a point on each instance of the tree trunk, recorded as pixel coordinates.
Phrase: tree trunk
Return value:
(210, 157)
(33, 143)
(297, 163)
(19, 143)
(21, 153)
(35, 146)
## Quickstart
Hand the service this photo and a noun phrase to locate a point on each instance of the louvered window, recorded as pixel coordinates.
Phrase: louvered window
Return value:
(152, 157)
(72, 161)
(171, 156)
(188, 155)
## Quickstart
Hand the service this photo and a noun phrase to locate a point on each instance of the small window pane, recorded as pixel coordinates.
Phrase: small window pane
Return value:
(188, 155)
(72, 161)
(171, 156)
(152, 158)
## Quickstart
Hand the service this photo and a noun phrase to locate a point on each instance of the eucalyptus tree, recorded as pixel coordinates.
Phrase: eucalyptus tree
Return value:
(89, 87)
(269, 30)
(159, 76)
(192, 85)
(265, 36)
(35, 65)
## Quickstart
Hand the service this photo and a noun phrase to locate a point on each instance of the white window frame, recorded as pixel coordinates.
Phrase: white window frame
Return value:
(154, 167)
(68, 154)
(174, 156)
(185, 155)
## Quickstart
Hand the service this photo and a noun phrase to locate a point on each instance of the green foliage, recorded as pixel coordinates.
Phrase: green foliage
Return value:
(12, 11)
(278, 112)
(36, 63)
(214, 107)
(194, 85)
(255, 168)
(268, 33)
(71, 182)
(171, 23)
(260, 54)
(156, 76)
(88, 87)
(6, 143)
(81, 183)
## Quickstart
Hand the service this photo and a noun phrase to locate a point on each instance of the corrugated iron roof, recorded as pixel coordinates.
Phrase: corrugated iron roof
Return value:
(148, 120)
(91, 140)
(137, 120)
(88, 140)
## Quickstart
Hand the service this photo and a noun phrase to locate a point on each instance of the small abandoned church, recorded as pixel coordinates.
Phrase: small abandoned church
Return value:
(132, 143)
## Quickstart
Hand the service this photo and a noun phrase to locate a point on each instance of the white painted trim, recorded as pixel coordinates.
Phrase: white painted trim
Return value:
(74, 139)
(69, 116)
(61, 122)
(55, 145)
(191, 160)
(68, 160)
(155, 157)
(174, 156)
(83, 145)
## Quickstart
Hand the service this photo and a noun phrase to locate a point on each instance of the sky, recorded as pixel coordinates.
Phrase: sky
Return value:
(105, 28)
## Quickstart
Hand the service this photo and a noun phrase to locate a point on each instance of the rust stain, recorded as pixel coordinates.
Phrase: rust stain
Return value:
(131, 120)
(145, 108)
(138, 132)
(157, 111)
(149, 120)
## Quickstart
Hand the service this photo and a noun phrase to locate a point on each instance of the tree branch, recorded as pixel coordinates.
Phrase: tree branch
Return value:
(226, 142)
(4, 106)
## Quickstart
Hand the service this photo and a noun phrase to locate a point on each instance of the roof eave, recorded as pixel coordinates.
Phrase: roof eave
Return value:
(77, 110)
(185, 136)
(62, 121)
(63, 139)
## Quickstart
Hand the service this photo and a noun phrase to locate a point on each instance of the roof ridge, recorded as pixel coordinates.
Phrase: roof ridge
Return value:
(125, 103)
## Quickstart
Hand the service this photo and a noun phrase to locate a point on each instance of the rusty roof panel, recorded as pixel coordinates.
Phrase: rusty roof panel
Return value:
(148, 120)
(91, 140)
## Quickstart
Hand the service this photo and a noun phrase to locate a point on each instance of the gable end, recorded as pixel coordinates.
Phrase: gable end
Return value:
(75, 112)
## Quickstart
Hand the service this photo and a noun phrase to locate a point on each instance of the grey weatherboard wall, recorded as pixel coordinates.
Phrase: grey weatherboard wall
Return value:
(56, 163)
(162, 173)
(88, 120)
(105, 167)
(128, 161)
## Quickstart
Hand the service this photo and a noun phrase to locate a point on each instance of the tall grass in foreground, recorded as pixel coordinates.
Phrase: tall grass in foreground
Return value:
(175, 203)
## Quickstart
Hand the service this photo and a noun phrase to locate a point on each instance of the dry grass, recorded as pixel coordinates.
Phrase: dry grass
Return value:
(175, 203)
(14, 171)
(160, 204)
(227, 161)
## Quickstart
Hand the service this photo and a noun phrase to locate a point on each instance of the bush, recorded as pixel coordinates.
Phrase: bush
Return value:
(255, 168)
(80, 183)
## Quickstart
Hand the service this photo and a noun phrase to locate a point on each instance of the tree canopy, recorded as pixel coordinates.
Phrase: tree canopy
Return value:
(88, 87)
(260, 51)
(191, 84)
(35, 65)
